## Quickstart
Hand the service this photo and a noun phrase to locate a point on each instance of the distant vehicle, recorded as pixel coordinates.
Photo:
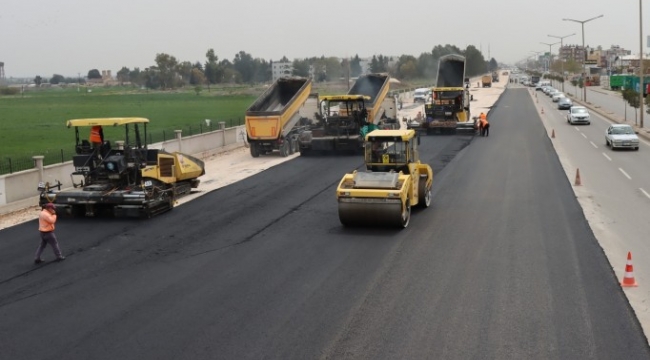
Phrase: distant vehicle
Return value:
(540, 85)
(534, 80)
(558, 96)
(621, 136)
(578, 115)
(552, 93)
(564, 103)
(548, 89)
(422, 95)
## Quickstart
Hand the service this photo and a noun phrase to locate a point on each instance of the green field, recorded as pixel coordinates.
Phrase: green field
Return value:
(34, 124)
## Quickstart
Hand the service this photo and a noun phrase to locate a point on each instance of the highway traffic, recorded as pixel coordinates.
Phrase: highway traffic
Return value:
(503, 265)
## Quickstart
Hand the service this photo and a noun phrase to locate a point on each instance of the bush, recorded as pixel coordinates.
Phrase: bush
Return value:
(9, 90)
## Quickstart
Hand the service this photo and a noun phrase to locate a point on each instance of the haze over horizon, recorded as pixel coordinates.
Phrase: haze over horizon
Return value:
(71, 37)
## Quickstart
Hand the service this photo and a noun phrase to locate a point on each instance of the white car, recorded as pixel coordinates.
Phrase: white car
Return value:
(558, 96)
(552, 93)
(422, 95)
(621, 136)
(578, 115)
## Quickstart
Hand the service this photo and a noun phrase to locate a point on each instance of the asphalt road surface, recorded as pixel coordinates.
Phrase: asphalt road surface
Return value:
(503, 265)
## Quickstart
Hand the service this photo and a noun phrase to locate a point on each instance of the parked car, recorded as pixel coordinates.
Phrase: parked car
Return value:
(422, 95)
(552, 92)
(621, 136)
(564, 103)
(578, 115)
(558, 96)
(548, 89)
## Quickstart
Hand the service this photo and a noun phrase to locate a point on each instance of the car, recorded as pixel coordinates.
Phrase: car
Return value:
(558, 96)
(578, 115)
(422, 95)
(548, 89)
(621, 136)
(553, 92)
(564, 103)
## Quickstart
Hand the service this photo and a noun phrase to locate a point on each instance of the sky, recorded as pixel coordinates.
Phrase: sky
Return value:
(71, 37)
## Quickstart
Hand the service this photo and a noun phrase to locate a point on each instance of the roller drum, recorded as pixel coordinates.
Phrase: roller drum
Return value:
(374, 213)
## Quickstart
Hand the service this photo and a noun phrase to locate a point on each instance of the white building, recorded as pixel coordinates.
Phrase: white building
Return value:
(281, 69)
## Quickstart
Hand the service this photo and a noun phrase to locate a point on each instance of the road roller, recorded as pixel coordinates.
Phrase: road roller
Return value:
(394, 181)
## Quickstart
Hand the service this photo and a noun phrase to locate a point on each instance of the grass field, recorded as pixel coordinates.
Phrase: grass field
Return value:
(34, 124)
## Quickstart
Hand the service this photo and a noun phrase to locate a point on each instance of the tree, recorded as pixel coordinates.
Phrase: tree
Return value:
(493, 66)
(94, 74)
(301, 67)
(166, 66)
(427, 66)
(135, 76)
(355, 66)
(333, 68)
(57, 79)
(632, 98)
(184, 69)
(38, 80)
(123, 75)
(244, 64)
(474, 62)
(197, 77)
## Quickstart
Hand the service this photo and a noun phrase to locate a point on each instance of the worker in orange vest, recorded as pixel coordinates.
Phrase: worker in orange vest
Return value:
(96, 136)
(46, 221)
(484, 125)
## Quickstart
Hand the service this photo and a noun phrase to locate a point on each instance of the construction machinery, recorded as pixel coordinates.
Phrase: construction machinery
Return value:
(342, 121)
(125, 178)
(273, 121)
(495, 76)
(486, 81)
(449, 112)
(394, 181)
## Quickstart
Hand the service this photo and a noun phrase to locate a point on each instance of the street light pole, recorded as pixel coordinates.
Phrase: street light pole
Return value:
(560, 53)
(641, 69)
(584, 57)
(550, 52)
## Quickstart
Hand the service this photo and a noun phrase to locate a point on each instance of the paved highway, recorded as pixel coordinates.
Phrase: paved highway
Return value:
(503, 265)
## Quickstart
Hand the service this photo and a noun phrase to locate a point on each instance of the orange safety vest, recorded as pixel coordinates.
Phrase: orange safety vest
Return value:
(483, 116)
(95, 134)
(46, 221)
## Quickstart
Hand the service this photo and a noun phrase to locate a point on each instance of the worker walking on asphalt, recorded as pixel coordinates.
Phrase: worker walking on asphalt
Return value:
(484, 125)
(46, 221)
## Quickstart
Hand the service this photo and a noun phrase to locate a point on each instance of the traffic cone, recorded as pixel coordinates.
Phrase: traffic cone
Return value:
(628, 278)
(553, 134)
(578, 182)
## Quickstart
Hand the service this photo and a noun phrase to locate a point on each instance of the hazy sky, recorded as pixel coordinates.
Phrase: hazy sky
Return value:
(44, 37)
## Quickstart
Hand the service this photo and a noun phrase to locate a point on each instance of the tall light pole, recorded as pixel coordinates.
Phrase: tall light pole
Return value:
(536, 53)
(641, 70)
(584, 58)
(550, 52)
(560, 53)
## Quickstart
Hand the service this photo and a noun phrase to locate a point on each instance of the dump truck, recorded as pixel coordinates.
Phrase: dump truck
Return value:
(340, 122)
(273, 121)
(394, 181)
(122, 179)
(486, 81)
(449, 112)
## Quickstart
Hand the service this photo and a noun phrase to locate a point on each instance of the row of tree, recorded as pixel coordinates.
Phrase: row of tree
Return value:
(168, 72)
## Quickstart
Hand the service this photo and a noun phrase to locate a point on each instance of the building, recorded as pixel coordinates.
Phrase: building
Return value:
(572, 52)
(281, 69)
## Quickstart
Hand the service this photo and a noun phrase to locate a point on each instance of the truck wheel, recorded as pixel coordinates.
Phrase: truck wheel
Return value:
(406, 214)
(255, 151)
(285, 148)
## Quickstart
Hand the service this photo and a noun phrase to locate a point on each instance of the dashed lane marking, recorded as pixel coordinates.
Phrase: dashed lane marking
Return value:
(583, 135)
(594, 145)
(608, 158)
(645, 193)
(626, 175)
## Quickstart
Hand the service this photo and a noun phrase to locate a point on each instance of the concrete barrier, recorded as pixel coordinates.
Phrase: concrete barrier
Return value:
(19, 186)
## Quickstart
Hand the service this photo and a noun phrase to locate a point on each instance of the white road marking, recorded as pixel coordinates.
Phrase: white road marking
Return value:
(608, 158)
(594, 145)
(575, 127)
(626, 175)
(645, 193)
(583, 135)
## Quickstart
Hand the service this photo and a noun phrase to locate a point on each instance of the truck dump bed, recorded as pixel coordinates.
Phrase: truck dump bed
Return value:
(451, 71)
(376, 87)
(275, 112)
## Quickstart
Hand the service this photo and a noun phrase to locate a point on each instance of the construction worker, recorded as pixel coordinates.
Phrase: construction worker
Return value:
(46, 221)
(484, 125)
(96, 136)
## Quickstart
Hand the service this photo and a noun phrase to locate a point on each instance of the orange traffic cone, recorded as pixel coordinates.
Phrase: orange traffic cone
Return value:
(578, 181)
(628, 278)
(553, 134)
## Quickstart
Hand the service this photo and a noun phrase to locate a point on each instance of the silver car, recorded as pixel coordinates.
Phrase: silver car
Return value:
(578, 115)
(564, 103)
(621, 136)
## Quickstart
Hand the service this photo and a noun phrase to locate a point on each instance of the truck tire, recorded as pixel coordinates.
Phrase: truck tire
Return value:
(285, 148)
(255, 151)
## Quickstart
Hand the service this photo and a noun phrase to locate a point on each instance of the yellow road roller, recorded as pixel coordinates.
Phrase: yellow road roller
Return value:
(394, 181)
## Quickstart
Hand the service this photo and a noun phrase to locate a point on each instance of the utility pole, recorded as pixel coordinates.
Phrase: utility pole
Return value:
(584, 58)
(550, 52)
(560, 53)
(641, 67)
